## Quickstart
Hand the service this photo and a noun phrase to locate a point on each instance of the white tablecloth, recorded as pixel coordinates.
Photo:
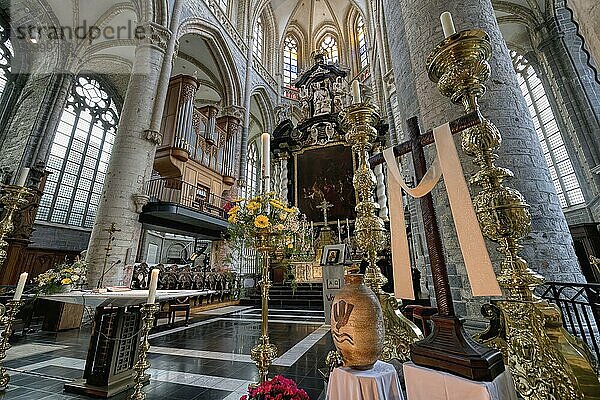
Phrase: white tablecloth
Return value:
(121, 299)
(379, 383)
(428, 384)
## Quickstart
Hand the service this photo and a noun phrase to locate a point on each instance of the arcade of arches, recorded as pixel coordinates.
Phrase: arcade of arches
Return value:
(136, 124)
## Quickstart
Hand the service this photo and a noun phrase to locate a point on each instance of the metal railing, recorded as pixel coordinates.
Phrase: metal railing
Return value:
(173, 190)
(580, 307)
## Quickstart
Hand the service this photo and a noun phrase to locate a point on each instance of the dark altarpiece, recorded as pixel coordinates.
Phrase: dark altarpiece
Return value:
(320, 164)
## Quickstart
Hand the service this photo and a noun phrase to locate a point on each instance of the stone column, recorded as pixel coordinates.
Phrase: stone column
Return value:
(413, 31)
(234, 127)
(130, 163)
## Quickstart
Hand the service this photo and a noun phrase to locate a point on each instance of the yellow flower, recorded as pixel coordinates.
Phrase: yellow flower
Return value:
(233, 219)
(233, 210)
(262, 221)
(290, 246)
(66, 281)
(279, 227)
(283, 216)
(253, 205)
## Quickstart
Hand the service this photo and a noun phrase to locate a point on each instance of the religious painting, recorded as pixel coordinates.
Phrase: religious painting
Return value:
(334, 254)
(325, 173)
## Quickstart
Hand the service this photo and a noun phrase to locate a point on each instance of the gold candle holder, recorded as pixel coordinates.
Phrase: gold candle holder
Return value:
(544, 359)
(142, 364)
(7, 318)
(264, 352)
(15, 199)
(371, 236)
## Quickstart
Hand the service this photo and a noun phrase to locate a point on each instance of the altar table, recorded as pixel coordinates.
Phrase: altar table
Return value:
(113, 349)
(379, 383)
(428, 384)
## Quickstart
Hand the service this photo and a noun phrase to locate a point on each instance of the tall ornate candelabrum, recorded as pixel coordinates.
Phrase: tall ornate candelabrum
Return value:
(264, 352)
(14, 199)
(7, 317)
(546, 361)
(142, 364)
(371, 236)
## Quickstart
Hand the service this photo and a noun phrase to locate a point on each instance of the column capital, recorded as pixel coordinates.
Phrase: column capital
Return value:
(153, 34)
(153, 136)
(235, 112)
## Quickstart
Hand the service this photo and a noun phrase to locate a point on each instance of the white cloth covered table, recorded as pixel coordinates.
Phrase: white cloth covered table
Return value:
(121, 299)
(378, 383)
(428, 384)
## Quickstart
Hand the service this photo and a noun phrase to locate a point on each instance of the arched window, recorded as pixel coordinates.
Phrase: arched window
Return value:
(252, 171)
(290, 60)
(6, 57)
(224, 5)
(329, 44)
(259, 38)
(560, 165)
(79, 156)
(361, 41)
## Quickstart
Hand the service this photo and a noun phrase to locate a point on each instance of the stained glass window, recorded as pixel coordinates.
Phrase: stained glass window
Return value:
(361, 36)
(561, 168)
(252, 171)
(290, 60)
(79, 156)
(259, 38)
(329, 44)
(6, 57)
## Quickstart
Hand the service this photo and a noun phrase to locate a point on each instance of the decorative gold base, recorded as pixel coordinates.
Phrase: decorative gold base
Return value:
(148, 311)
(263, 355)
(400, 332)
(7, 317)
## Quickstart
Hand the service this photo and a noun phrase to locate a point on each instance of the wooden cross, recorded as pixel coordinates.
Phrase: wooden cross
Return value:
(448, 345)
(325, 206)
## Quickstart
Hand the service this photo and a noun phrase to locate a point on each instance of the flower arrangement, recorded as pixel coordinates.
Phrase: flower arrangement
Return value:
(62, 276)
(263, 214)
(278, 388)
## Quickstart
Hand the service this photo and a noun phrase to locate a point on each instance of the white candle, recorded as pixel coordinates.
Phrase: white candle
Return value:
(348, 229)
(356, 98)
(20, 286)
(447, 24)
(266, 150)
(23, 177)
(152, 286)
(339, 232)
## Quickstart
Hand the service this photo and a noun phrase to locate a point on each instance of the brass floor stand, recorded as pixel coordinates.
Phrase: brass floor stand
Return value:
(546, 361)
(148, 311)
(371, 235)
(7, 317)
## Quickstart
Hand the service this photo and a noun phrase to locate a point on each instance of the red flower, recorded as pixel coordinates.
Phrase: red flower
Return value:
(278, 388)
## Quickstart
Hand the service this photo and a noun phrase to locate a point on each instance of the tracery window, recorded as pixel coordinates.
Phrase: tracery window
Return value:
(6, 56)
(259, 38)
(563, 175)
(251, 171)
(290, 60)
(79, 156)
(329, 44)
(361, 39)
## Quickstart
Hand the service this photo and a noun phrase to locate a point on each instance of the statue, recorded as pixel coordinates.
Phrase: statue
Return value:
(339, 93)
(322, 100)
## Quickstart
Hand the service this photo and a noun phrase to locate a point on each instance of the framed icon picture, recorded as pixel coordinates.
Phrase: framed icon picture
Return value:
(334, 254)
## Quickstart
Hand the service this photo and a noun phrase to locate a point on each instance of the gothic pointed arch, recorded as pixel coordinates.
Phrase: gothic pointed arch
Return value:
(219, 49)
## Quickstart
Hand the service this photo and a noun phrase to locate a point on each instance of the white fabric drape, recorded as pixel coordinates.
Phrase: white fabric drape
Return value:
(447, 163)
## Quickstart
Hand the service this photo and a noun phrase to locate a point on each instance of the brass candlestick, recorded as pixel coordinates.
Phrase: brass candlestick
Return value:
(545, 360)
(371, 235)
(15, 199)
(7, 317)
(264, 352)
(142, 364)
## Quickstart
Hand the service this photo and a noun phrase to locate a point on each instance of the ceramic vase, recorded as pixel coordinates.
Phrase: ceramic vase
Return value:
(357, 324)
